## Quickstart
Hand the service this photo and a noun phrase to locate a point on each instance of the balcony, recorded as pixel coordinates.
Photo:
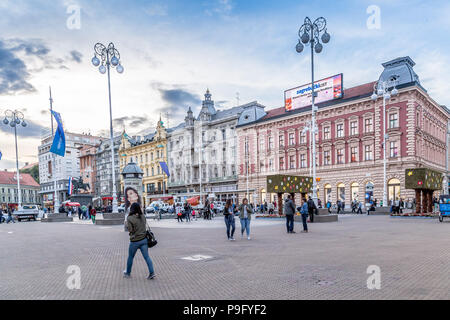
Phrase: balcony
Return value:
(223, 179)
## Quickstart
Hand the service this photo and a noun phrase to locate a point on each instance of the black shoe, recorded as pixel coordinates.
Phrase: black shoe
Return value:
(293, 232)
(151, 277)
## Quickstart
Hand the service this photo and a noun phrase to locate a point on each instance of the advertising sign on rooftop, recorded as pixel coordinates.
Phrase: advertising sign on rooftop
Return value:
(327, 89)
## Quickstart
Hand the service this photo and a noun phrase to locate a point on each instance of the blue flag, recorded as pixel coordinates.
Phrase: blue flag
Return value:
(59, 141)
(0, 155)
(165, 168)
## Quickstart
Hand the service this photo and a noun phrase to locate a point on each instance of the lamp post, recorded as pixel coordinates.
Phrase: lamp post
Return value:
(104, 58)
(14, 119)
(384, 89)
(311, 32)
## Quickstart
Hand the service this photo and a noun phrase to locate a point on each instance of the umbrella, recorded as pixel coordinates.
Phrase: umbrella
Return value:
(72, 204)
(194, 201)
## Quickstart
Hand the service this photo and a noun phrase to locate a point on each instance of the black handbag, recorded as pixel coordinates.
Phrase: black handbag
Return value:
(151, 240)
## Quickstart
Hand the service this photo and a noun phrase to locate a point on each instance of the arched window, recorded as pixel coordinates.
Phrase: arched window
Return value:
(263, 195)
(354, 191)
(327, 193)
(341, 192)
(394, 189)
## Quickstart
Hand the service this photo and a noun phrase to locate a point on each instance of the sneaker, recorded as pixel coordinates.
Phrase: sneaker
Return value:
(248, 238)
(151, 277)
(293, 232)
(305, 231)
(232, 239)
(126, 275)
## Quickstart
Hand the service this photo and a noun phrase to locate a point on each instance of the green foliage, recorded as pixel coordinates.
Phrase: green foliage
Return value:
(34, 172)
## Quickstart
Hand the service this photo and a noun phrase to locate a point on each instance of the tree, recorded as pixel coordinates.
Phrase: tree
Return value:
(34, 172)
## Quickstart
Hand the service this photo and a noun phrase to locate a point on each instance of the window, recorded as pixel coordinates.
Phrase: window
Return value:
(353, 128)
(261, 144)
(368, 154)
(326, 158)
(368, 125)
(303, 137)
(326, 133)
(270, 143)
(281, 140)
(393, 120)
(261, 166)
(291, 139)
(303, 160)
(354, 154)
(246, 146)
(340, 156)
(152, 156)
(340, 130)
(393, 149)
(224, 134)
(270, 164)
(291, 162)
(153, 171)
(281, 163)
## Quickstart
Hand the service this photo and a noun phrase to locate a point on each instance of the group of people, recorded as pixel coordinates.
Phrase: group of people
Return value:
(10, 218)
(185, 212)
(307, 209)
(84, 213)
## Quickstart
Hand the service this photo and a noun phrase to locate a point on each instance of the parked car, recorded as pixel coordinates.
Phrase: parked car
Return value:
(150, 209)
(28, 212)
(219, 206)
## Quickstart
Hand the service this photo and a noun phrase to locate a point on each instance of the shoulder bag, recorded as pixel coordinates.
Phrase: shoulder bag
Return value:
(151, 240)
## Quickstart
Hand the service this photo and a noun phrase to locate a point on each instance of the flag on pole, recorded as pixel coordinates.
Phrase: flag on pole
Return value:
(59, 141)
(70, 188)
(165, 168)
(0, 155)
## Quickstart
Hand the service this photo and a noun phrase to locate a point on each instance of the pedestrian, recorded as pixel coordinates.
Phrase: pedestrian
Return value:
(319, 203)
(329, 206)
(10, 217)
(359, 208)
(1, 216)
(187, 212)
(311, 209)
(338, 205)
(137, 226)
(80, 212)
(93, 213)
(371, 208)
(304, 211)
(193, 215)
(179, 213)
(245, 217)
(229, 220)
(354, 206)
(289, 211)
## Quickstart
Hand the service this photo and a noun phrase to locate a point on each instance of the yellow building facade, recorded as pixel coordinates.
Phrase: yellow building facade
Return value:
(147, 152)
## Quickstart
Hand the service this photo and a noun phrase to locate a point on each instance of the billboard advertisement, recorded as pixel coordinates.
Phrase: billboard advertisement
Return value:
(327, 89)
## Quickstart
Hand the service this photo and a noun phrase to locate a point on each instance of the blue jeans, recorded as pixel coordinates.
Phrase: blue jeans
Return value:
(245, 225)
(10, 219)
(290, 223)
(143, 246)
(304, 218)
(231, 225)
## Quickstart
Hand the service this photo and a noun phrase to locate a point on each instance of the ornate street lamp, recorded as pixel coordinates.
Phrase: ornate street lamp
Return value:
(314, 33)
(385, 89)
(14, 119)
(104, 58)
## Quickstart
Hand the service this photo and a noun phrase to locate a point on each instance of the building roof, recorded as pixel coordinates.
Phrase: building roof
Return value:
(7, 177)
(30, 166)
(132, 168)
(353, 93)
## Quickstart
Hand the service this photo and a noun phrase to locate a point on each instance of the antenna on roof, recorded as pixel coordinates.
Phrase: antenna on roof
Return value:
(238, 100)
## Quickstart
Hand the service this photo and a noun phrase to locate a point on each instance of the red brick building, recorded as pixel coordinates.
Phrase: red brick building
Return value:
(349, 143)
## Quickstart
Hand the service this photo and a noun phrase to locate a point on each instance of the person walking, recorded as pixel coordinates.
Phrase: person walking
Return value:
(311, 209)
(338, 205)
(137, 226)
(229, 220)
(359, 208)
(304, 211)
(10, 217)
(187, 212)
(329, 206)
(93, 214)
(245, 216)
(289, 212)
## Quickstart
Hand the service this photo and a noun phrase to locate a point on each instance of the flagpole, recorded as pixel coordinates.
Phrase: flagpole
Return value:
(56, 198)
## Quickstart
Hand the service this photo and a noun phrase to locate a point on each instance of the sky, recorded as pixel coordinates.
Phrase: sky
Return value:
(172, 51)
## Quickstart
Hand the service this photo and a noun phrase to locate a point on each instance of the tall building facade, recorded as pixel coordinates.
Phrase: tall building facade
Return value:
(61, 168)
(88, 167)
(147, 152)
(104, 169)
(349, 142)
(202, 151)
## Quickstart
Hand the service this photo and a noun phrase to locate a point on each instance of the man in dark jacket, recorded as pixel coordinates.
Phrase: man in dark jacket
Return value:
(289, 211)
(311, 209)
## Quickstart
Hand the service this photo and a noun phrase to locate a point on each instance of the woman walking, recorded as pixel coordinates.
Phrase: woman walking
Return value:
(229, 220)
(137, 226)
(245, 216)
(93, 213)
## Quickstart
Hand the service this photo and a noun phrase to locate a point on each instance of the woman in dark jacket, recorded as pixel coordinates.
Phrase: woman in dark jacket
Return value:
(137, 226)
(229, 220)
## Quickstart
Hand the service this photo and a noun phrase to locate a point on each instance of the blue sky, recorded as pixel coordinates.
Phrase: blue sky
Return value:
(173, 50)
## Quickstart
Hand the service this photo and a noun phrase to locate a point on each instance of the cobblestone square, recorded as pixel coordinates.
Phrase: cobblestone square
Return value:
(330, 262)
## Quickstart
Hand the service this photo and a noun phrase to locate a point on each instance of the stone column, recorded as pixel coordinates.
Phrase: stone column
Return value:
(280, 203)
(430, 201)
(424, 202)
